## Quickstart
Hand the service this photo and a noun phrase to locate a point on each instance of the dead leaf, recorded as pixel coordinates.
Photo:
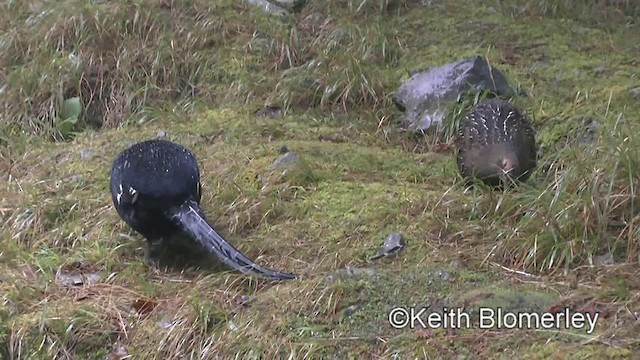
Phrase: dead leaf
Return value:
(144, 306)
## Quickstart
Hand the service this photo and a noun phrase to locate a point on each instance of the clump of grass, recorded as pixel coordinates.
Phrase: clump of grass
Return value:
(586, 206)
(118, 57)
(123, 59)
(363, 9)
(194, 329)
(66, 332)
(603, 13)
(341, 70)
(283, 43)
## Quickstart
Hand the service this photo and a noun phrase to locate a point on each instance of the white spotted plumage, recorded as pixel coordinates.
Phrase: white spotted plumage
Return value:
(495, 133)
(119, 194)
(134, 194)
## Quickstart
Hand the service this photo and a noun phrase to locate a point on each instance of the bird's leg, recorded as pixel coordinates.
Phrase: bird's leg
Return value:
(149, 259)
(153, 251)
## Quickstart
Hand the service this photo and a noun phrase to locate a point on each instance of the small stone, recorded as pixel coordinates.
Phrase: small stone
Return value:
(73, 280)
(605, 259)
(286, 159)
(635, 92)
(271, 111)
(86, 154)
(444, 275)
(391, 246)
(76, 177)
(72, 275)
(161, 134)
(165, 324)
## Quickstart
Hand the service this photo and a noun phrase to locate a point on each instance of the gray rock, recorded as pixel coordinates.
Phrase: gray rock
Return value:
(427, 97)
(268, 7)
(288, 167)
(287, 159)
(71, 279)
(75, 277)
(391, 246)
(605, 259)
(635, 91)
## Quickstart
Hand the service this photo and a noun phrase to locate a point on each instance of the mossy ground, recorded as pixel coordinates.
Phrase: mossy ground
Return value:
(199, 69)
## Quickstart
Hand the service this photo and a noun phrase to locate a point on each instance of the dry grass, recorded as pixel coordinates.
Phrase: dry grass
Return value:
(199, 69)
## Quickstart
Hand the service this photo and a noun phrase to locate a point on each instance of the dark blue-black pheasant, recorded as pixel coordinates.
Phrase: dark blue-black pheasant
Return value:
(155, 188)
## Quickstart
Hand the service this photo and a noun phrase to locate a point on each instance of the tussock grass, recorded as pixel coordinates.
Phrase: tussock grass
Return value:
(604, 13)
(198, 70)
(120, 57)
(340, 72)
(586, 208)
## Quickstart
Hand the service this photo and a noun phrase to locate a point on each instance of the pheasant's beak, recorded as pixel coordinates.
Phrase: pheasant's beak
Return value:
(506, 166)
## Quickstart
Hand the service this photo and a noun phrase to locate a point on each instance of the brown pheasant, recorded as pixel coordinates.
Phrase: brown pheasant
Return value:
(496, 144)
